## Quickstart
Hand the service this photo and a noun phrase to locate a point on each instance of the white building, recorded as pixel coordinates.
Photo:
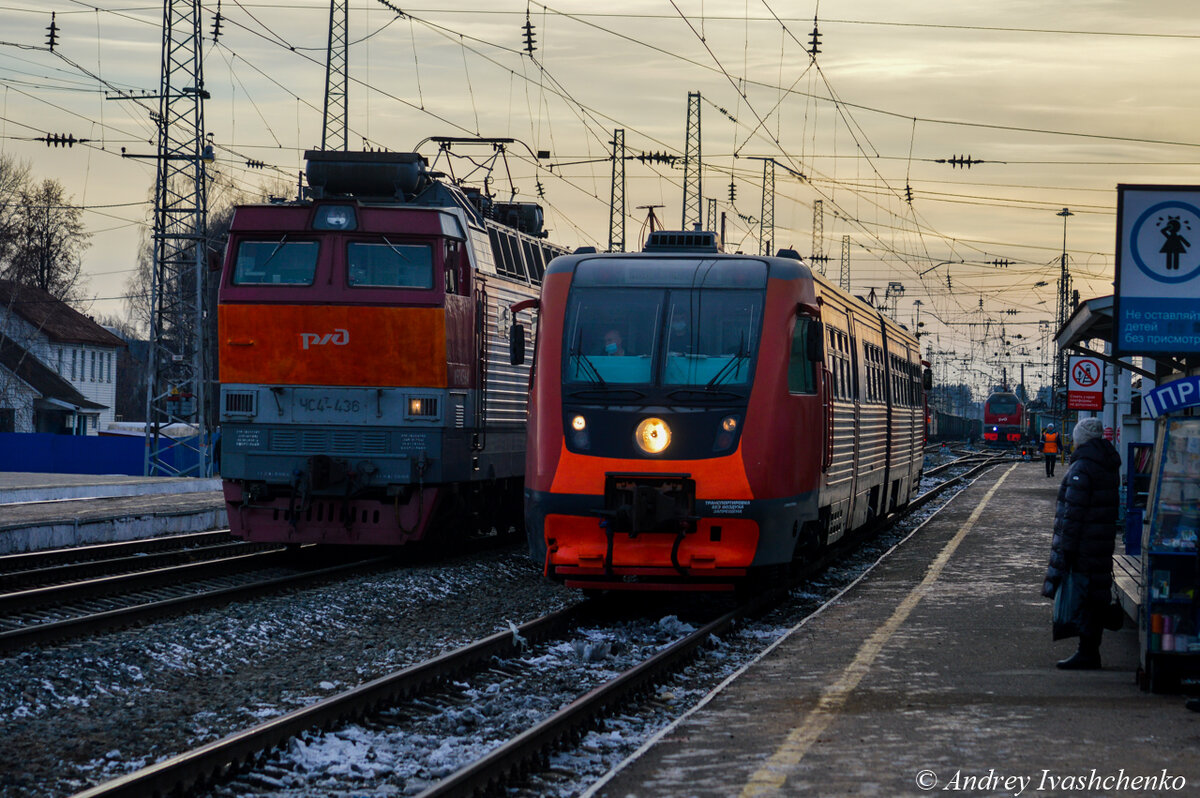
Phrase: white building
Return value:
(57, 366)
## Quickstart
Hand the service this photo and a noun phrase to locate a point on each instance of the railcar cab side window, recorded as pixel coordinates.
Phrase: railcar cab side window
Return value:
(277, 262)
(801, 376)
(389, 265)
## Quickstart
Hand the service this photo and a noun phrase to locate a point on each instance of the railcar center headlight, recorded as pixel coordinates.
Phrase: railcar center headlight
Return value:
(653, 435)
(579, 423)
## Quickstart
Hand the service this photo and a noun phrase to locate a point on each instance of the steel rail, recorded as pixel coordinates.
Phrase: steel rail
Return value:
(220, 757)
(126, 616)
(52, 595)
(128, 563)
(11, 563)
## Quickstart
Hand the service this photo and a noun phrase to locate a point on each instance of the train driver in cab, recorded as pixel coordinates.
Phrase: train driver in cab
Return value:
(613, 343)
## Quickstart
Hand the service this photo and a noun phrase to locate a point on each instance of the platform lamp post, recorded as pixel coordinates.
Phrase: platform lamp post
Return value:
(1059, 403)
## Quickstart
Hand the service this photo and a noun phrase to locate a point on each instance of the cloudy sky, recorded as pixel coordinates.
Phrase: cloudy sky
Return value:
(1057, 102)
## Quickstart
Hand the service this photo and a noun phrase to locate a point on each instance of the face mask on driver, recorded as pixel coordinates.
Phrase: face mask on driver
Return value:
(610, 348)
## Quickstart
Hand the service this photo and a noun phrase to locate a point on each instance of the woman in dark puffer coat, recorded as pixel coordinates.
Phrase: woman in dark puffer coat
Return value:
(1085, 533)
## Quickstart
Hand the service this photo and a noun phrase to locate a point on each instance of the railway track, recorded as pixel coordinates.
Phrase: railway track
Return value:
(41, 568)
(470, 677)
(66, 609)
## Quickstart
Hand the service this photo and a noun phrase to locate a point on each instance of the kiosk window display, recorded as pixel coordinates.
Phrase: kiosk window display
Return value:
(1170, 624)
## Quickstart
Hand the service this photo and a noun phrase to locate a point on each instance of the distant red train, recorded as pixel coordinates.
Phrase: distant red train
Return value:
(1003, 419)
(700, 421)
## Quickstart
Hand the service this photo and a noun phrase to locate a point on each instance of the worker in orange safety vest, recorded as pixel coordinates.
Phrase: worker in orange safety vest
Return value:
(1050, 448)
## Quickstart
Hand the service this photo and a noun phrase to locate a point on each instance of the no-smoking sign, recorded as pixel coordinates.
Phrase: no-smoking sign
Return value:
(1085, 384)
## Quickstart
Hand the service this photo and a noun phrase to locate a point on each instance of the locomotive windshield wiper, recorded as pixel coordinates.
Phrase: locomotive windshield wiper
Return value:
(732, 367)
(395, 249)
(581, 359)
(275, 251)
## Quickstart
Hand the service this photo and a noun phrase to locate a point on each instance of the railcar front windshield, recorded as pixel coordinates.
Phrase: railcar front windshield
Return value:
(665, 323)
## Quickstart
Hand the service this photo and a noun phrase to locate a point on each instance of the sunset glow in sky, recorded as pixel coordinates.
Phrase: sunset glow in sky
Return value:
(1054, 104)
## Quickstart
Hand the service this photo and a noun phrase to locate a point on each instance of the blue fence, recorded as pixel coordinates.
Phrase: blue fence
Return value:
(87, 454)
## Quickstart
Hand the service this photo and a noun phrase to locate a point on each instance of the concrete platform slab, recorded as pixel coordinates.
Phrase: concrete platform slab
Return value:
(18, 487)
(50, 511)
(934, 674)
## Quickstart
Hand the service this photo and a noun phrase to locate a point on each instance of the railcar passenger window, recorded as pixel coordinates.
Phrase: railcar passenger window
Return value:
(279, 262)
(389, 265)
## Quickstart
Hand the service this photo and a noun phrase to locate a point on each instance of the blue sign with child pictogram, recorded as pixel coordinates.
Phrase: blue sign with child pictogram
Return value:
(1158, 270)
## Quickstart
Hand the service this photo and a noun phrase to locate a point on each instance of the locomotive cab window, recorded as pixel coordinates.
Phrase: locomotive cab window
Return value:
(280, 262)
(389, 265)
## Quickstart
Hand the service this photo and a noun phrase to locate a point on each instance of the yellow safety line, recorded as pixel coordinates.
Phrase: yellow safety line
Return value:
(770, 777)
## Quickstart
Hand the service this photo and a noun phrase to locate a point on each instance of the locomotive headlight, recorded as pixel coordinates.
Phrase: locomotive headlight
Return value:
(335, 217)
(729, 423)
(652, 435)
(579, 423)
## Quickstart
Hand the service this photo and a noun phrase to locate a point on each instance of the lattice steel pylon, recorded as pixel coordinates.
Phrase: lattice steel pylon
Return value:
(844, 276)
(616, 203)
(710, 222)
(818, 258)
(179, 378)
(333, 136)
(766, 222)
(692, 200)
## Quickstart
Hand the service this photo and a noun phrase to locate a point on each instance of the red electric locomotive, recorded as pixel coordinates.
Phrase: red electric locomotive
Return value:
(1003, 419)
(365, 382)
(698, 419)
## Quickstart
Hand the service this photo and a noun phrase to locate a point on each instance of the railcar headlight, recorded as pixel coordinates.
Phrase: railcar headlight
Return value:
(653, 435)
(729, 423)
(579, 423)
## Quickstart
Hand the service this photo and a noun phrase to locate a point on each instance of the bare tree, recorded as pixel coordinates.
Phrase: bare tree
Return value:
(48, 244)
(223, 199)
(14, 181)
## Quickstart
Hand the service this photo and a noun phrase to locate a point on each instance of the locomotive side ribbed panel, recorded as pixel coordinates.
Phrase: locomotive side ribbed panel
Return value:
(507, 385)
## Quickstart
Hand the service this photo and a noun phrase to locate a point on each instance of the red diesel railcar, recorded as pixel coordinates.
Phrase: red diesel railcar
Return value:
(700, 419)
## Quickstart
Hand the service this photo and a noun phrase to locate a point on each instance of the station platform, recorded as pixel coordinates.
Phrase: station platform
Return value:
(934, 673)
(45, 511)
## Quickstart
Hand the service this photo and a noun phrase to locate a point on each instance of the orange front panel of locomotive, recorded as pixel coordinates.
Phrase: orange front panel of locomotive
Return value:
(332, 345)
(578, 545)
